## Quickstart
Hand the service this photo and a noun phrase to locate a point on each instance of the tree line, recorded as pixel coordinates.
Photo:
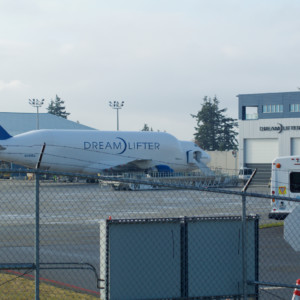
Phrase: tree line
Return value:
(56, 107)
(214, 130)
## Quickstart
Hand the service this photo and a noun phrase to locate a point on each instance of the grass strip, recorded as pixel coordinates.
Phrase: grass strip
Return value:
(13, 287)
(270, 225)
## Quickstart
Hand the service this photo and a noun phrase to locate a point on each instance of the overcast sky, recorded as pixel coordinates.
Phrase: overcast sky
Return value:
(159, 56)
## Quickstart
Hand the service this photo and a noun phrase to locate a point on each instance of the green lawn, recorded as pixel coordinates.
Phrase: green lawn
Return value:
(17, 288)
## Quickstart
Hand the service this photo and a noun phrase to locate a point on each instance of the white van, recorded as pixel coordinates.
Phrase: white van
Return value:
(245, 174)
(285, 181)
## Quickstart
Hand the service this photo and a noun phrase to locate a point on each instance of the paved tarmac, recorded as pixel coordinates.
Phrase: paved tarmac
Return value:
(70, 215)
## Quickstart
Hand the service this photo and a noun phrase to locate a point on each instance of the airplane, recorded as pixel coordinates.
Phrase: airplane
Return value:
(93, 151)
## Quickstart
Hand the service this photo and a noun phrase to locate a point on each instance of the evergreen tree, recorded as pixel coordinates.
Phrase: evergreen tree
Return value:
(228, 134)
(214, 130)
(147, 128)
(57, 108)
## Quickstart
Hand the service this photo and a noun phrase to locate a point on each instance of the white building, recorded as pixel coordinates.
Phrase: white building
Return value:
(269, 126)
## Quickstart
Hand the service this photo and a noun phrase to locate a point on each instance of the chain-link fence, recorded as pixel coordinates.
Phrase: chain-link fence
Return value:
(51, 228)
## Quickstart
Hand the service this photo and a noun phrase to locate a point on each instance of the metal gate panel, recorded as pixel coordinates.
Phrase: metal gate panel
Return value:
(176, 258)
(143, 259)
(215, 250)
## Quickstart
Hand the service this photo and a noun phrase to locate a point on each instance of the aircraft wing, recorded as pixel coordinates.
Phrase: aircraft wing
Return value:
(134, 165)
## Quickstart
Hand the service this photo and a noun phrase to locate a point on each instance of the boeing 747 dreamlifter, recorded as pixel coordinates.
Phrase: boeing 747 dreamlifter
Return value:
(93, 151)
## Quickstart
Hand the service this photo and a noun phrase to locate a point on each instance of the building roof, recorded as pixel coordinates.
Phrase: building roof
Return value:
(16, 123)
(270, 94)
(269, 105)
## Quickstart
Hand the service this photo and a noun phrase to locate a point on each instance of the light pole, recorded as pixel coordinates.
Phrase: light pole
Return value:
(116, 105)
(36, 103)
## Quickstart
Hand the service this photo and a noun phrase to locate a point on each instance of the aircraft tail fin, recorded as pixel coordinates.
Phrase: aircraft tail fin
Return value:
(4, 135)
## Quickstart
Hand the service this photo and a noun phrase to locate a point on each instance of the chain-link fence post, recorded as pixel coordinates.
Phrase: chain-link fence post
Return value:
(37, 235)
(37, 224)
(244, 250)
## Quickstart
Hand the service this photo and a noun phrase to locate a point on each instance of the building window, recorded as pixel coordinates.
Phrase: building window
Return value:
(272, 108)
(251, 113)
(294, 182)
(294, 107)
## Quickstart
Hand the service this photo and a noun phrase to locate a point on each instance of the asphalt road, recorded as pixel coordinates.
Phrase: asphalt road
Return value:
(69, 232)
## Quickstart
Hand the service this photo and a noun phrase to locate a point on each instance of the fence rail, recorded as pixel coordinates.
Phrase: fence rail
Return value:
(50, 226)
